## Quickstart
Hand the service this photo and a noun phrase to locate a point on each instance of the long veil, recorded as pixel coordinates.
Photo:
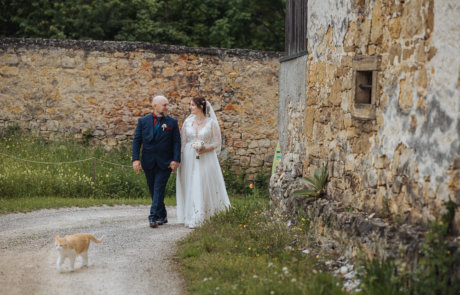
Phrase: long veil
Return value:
(211, 114)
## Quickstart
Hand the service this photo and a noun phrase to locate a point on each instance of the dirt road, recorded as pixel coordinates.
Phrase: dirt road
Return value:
(132, 259)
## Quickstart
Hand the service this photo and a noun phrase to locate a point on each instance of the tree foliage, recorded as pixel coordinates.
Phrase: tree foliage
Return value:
(253, 24)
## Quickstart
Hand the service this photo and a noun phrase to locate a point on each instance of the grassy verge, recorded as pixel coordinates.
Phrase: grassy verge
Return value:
(30, 204)
(34, 167)
(245, 251)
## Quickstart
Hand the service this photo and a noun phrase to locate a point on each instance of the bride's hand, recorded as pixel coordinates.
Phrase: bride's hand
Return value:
(205, 149)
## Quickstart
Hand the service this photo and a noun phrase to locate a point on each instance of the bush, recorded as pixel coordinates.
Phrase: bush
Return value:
(236, 183)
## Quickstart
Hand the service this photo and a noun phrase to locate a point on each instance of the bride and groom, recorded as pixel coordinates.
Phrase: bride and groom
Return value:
(192, 151)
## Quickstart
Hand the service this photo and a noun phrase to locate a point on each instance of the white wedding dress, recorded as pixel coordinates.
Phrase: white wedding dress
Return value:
(200, 186)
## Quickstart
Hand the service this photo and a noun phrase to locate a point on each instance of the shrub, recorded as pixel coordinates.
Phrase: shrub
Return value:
(236, 183)
(316, 184)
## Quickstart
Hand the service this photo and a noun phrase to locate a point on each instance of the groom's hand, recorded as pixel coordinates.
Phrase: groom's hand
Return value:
(137, 166)
(173, 165)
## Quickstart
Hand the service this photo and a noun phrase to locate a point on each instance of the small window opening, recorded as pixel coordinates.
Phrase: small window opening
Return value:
(363, 94)
(364, 98)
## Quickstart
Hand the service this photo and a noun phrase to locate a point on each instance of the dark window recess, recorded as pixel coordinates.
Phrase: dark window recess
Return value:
(363, 94)
(365, 87)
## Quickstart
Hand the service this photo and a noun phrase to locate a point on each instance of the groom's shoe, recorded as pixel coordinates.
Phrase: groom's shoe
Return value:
(153, 224)
(162, 221)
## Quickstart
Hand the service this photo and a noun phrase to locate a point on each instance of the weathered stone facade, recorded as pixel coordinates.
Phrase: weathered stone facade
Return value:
(397, 156)
(57, 88)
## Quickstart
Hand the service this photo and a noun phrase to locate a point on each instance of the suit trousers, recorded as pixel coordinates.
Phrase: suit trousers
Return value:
(156, 181)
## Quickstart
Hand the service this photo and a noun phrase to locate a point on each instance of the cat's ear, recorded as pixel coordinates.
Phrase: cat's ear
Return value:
(57, 237)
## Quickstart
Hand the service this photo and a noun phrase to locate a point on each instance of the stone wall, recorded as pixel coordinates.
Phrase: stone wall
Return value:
(400, 158)
(57, 88)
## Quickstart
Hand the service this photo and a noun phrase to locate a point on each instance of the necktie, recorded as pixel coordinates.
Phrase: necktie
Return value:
(156, 126)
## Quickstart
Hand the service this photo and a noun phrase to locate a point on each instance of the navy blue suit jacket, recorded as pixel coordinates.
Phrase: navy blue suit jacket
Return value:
(157, 151)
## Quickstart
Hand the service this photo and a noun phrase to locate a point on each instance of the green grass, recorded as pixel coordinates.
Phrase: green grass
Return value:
(110, 178)
(244, 251)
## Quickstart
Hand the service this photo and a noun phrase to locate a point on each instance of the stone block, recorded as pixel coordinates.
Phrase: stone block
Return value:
(33, 125)
(111, 141)
(256, 161)
(347, 121)
(9, 59)
(377, 23)
(351, 133)
(382, 200)
(102, 60)
(422, 79)
(395, 54)
(9, 71)
(411, 19)
(338, 169)
(394, 26)
(239, 144)
(382, 162)
(405, 167)
(168, 72)
(244, 161)
(456, 164)
(68, 62)
(364, 34)
(370, 178)
(253, 145)
(351, 37)
(397, 184)
(335, 97)
(52, 125)
(382, 177)
(98, 132)
(241, 152)
(264, 143)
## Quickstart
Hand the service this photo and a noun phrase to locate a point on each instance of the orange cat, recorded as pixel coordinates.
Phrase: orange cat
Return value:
(72, 245)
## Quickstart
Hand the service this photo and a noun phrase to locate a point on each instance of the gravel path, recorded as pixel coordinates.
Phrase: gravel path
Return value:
(132, 259)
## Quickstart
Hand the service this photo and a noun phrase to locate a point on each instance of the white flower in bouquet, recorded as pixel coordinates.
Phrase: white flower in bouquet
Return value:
(197, 145)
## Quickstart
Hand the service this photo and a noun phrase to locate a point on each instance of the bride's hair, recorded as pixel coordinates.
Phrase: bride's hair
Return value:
(201, 103)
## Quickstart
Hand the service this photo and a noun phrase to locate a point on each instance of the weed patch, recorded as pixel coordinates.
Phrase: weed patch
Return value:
(246, 251)
(433, 274)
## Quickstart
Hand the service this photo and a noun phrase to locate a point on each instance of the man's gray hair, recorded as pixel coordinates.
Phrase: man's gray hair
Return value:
(158, 99)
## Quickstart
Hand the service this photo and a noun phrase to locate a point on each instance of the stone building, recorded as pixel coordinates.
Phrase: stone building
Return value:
(65, 88)
(372, 88)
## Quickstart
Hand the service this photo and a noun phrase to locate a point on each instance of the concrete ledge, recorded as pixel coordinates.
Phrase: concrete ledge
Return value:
(124, 46)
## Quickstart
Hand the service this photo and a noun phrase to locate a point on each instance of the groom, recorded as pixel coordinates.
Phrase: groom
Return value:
(159, 136)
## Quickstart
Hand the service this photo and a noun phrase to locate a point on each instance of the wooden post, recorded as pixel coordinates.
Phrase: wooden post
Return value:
(94, 171)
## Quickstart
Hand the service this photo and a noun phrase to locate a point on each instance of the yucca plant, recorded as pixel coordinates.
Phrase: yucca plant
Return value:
(316, 184)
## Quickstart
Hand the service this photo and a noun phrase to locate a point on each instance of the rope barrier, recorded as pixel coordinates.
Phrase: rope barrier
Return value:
(61, 163)
(116, 164)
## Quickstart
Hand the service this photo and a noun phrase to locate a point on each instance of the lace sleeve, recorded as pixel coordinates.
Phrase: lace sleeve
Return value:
(216, 139)
(183, 137)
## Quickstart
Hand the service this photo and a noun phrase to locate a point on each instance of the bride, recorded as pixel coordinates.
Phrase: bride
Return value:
(200, 186)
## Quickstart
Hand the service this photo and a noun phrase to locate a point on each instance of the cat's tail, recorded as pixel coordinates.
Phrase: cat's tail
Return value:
(94, 239)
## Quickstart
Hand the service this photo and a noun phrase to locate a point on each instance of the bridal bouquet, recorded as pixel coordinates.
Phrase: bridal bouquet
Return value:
(197, 145)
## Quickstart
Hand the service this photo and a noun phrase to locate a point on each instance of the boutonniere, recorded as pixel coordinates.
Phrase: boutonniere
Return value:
(164, 126)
